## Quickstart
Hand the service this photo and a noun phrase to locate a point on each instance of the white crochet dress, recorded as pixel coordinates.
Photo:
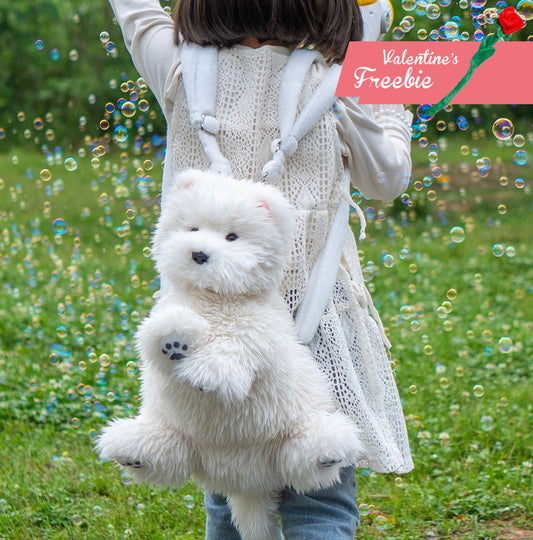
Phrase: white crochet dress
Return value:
(375, 144)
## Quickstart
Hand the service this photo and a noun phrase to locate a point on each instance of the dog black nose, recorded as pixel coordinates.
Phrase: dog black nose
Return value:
(199, 257)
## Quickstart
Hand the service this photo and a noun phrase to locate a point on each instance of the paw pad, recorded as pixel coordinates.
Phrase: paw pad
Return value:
(327, 463)
(133, 464)
(175, 350)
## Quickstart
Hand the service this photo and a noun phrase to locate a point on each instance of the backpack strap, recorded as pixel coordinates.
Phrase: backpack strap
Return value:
(199, 69)
(293, 130)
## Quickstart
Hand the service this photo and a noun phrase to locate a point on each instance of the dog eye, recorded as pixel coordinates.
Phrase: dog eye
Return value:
(231, 237)
(193, 229)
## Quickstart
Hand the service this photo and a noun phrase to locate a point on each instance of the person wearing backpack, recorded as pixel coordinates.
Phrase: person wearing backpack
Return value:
(255, 131)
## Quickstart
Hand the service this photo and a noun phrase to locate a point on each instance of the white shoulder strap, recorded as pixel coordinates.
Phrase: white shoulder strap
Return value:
(291, 130)
(199, 68)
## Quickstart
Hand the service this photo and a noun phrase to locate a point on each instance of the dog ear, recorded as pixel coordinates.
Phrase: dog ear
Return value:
(265, 205)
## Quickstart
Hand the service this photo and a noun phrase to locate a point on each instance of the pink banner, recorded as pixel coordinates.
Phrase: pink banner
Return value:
(415, 72)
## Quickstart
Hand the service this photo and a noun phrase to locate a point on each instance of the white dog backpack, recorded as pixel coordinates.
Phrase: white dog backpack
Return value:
(199, 72)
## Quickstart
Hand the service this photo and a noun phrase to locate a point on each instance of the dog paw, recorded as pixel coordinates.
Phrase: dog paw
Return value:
(175, 350)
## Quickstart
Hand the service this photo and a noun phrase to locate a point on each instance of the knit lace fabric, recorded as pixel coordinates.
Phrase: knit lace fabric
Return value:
(348, 346)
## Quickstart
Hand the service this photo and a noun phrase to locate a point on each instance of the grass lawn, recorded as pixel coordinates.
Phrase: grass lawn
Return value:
(450, 266)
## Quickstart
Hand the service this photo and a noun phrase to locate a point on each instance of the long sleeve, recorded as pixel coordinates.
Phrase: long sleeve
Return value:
(148, 33)
(377, 143)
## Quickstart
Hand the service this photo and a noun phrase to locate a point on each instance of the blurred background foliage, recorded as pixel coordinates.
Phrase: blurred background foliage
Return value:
(61, 61)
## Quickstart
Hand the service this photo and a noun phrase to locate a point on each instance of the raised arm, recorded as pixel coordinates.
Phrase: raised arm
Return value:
(148, 33)
(377, 143)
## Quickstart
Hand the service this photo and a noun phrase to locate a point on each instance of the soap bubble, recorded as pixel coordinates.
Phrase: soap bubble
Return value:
(381, 523)
(128, 109)
(364, 510)
(45, 175)
(457, 235)
(39, 44)
(59, 226)
(505, 344)
(520, 157)
(120, 134)
(462, 123)
(450, 30)
(525, 9)
(478, 390)
(104, 36)
(54, 55)
(503, 129)
(487, 423)
(498, 250)
(70, 164)
(423, 114)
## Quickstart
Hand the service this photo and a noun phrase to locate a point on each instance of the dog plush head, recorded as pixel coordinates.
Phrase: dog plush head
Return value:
(231, 237)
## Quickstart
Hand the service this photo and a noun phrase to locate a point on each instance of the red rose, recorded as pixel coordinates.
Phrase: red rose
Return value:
(510, 21)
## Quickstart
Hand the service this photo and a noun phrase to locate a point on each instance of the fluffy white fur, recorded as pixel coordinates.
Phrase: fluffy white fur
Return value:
(229, 396)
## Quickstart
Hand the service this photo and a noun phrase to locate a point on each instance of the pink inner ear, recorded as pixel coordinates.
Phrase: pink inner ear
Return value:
(264, 204)
(188, 185)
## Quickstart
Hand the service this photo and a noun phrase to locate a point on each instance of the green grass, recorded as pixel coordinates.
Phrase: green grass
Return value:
(70, 306)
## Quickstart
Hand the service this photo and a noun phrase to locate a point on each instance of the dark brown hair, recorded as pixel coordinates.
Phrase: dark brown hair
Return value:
(326, 25)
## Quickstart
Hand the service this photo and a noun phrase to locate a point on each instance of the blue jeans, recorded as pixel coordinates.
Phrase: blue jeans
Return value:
(330, 513)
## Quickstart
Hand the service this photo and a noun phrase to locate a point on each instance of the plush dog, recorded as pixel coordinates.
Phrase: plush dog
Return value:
(228, 394)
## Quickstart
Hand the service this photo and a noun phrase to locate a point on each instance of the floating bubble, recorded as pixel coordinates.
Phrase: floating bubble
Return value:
(450, 30)
(77, 520)
(457, 235)
(143, 105)
(505, 345)
(38, 124)
(61, 331)
(127, 478)
(503, 129)
(381, 523)
(104, 36)
(462, 123)
(478, 390)
(39, 44)
(413, 389)
(70, 164)
(451, 294)
(498, 250)
(519, 140)
(120, 134)
(189, 501)
(388, 260)
(54, 55)
(423, 114)
(128, 109)
(59, 226)
(525, 9)
(487, 423)
(75, 423)
(364, 510)
(519, 183)
(73, 55)
(98, 510)
(433, 12)
(520, 157)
